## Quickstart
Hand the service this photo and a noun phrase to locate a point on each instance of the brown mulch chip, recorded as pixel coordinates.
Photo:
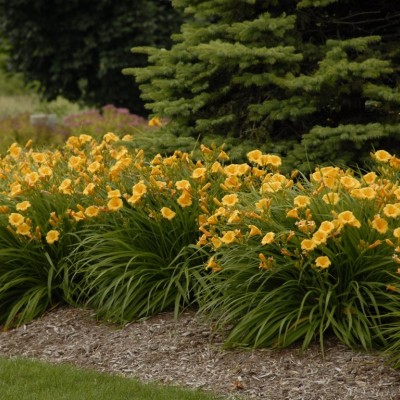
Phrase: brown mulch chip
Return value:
(186, 352)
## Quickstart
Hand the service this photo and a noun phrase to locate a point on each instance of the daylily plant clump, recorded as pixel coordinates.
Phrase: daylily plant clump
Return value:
(294, 257)
(279, 212)
(281, 257)
(96, 179)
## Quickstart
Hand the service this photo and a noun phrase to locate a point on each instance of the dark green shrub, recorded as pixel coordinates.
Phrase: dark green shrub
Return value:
(77, 48)
(312, 80)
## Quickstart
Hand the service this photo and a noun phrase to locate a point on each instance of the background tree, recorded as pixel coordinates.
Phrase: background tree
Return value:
(77, 48)
(314, 80)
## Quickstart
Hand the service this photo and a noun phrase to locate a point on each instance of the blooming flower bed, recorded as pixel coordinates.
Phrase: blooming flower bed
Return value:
(281, 258)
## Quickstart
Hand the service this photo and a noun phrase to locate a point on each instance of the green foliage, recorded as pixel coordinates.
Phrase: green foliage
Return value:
(35, 380)
(135, 266)
(260, 71)
(77, 49)
(33, 278)
(132, 261)
(278, 258)
(338, 144)
(289, 304)
(26, 286)
(33, 274)
(19, 128)
(275, 293)
(12, 106)
(109, 119)
(10, 84)
(18, 98)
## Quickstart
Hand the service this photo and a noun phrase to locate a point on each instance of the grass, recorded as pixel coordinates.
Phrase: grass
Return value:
(13, 105)
(17, 104)
(31, 380)
(16, 97)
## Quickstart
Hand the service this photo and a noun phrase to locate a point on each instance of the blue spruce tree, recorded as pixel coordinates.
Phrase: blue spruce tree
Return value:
(313, 80)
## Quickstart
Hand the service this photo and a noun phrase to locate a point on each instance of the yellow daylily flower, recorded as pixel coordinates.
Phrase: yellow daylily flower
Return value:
(349, 182)
(370, 178)
(199, 173)
(110, 137)
(24, 229)
(380, 224)
(65, 187)
(89, 189)
(155, 121)
(268, 238)
(115, 204)
(52, 236)
(301, 201)
(23, 206)
(92, 211)
(216, 242)
(228, 237)
(331, 198)
(254, 231)
(255, 156)
(93, 167)
(45, 171)
(391, 210)
(183, 185)
(322, 262)
(293, 213)
(185, 199)
(396, 233)
(382, 156)
(308, 245)
(14, 150)
(113, 193)
(319, 237)
(32, 178)
(16, 219)
(167, 213)
(230, 200)
(367, 193)
(273, 160)
(140, 189)
(348, 218)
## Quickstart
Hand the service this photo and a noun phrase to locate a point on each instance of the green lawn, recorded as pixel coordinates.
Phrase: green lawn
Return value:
(32, 380)
(13, 105)
(18, 104)
(17, 98)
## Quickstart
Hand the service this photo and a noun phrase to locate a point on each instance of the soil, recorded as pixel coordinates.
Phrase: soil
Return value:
(187, 352)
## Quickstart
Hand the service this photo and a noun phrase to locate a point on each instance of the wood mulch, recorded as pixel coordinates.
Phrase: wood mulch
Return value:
(186, 352)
